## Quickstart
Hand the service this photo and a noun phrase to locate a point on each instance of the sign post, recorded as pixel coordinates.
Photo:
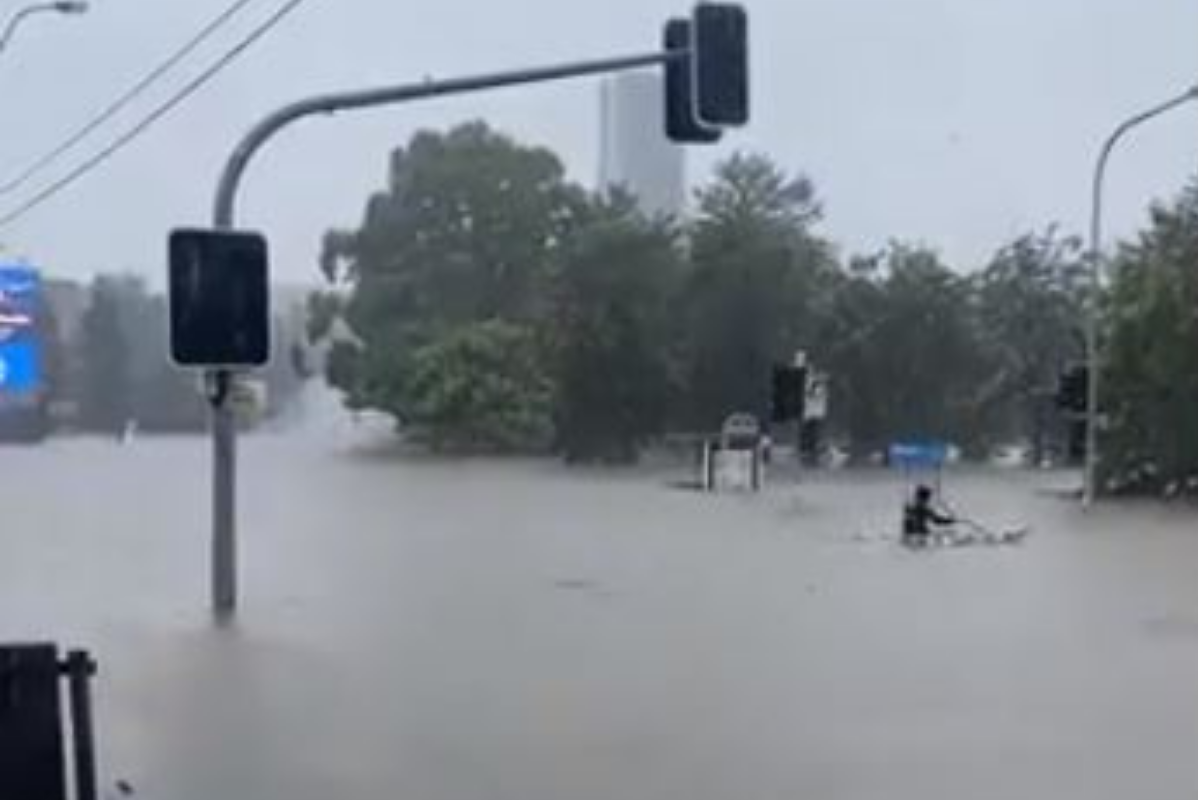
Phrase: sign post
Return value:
(220, 321)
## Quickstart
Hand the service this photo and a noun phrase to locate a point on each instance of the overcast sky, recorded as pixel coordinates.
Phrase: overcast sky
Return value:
(959, 123)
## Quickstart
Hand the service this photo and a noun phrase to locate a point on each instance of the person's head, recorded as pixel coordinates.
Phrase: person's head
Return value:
(923, 494)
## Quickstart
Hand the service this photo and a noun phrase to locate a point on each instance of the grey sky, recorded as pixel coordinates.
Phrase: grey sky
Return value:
(955, 122)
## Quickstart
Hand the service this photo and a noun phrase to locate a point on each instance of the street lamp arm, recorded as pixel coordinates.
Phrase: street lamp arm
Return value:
(15, 21)
(235, 167)
(57, 6)
(1111, 142)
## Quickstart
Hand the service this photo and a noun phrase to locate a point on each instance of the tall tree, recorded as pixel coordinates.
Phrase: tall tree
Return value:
(756, 271)
(903, 352)
(1150, 366)
(610, 332)
(468, 230)
(124, 373)
(1030, 306)
(106, 388)
(54, 357)
(165, 398)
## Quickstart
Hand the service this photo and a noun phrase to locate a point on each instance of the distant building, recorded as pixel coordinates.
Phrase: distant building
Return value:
(634, 151)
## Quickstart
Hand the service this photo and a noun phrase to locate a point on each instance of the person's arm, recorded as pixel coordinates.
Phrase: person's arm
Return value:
(941, 518)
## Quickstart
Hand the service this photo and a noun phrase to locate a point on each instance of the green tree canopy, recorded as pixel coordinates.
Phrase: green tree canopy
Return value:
(484, 299)
(1030, 306)
(903, 353)
(1149, 375)
(755, 279)
(481, 386)
(611, 332)
(469, 230)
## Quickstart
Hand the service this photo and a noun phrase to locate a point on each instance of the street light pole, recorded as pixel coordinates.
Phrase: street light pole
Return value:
(1095, 255)
(60, 7)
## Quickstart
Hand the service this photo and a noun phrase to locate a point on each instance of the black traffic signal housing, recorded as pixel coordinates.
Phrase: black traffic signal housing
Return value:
(720, 64)
(1073, 389)
(707, 88)
(219, 294)
(788, 389)
(679, 114)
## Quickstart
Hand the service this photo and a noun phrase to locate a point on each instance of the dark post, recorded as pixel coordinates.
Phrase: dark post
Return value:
(80, 668)
(32, 762)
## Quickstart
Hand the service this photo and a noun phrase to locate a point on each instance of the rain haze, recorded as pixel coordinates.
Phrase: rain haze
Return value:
(872, 486)
(959, 125)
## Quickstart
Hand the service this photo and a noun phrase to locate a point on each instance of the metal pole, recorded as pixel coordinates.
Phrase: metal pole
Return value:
(15, 21)
(1091, 457)
(225, 204)
(224, 495)
(80, 668)
(223, 424)
(20, 16)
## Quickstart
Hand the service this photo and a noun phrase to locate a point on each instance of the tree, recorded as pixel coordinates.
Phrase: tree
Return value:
(165, 398)
(610, 332)
(756, 277)
(480, 387)
(124, 373)
(1030, 307)
(65, 303)
(1149, 375)
(106, 389)
(468, 231)
(53, 356)
(903, 353)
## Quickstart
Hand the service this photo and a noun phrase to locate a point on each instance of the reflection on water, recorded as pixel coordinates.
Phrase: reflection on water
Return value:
(431, 629)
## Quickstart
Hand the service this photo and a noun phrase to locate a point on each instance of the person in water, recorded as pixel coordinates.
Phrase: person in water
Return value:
(921, 518)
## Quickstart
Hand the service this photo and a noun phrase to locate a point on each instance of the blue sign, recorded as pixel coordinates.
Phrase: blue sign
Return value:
(918, 455)
(20, 350)
(18, 367)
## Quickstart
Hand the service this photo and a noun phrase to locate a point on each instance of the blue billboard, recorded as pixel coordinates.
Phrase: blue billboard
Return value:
(20, 350)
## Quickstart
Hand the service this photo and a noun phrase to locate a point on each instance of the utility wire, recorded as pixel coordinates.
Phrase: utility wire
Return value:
(150, 119)
(123, 100)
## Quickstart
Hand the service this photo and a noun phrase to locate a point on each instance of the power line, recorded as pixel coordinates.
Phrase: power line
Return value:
(154, 116)
(123, 100)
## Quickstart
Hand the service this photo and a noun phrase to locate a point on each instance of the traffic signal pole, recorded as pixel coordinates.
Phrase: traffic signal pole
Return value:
(223, 556)
(225, 206)
(223, 424)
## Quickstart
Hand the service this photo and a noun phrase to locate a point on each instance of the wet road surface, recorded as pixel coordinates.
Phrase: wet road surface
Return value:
(448, 630)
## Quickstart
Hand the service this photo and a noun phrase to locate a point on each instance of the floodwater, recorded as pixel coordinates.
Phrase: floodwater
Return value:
(448, 630)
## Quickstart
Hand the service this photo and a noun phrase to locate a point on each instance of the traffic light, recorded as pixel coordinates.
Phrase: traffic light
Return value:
(788, 384)
(707, 89)
(219, 299)
(720, 64)
(682, 124)
(1073, 389)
